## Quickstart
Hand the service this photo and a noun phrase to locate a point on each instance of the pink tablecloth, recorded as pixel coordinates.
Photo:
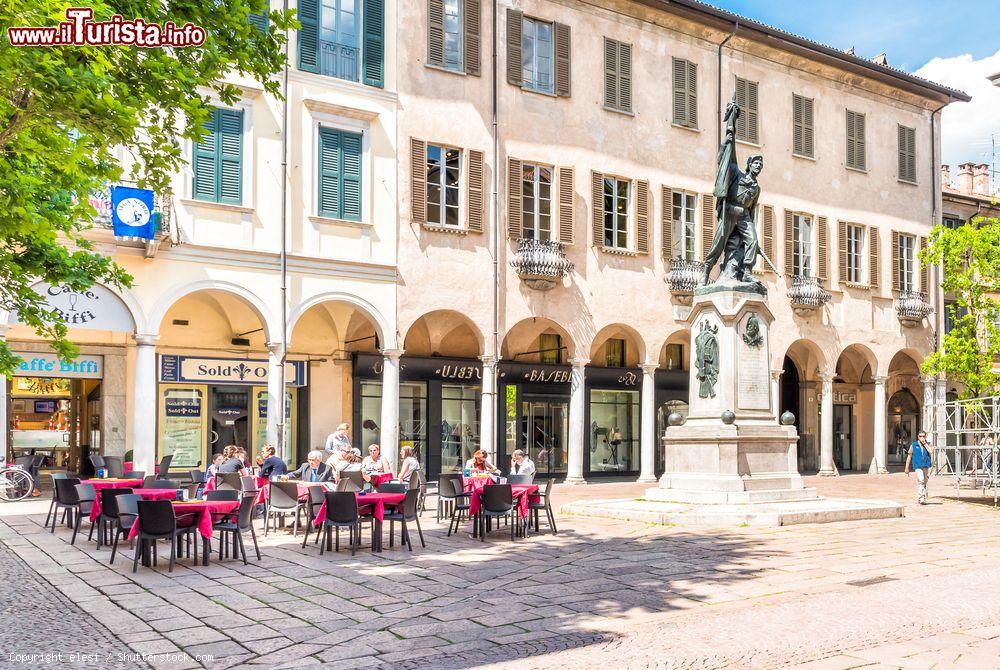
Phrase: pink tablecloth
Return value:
(201, 513)
(381, 478)
(147, 494)
(376, 502)
(262, 489)
(522, 494)
(100, 484)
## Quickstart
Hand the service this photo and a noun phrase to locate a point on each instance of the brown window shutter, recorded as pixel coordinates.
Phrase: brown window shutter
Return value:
(741, 100)
(642, 216)
(751, 112)
(566, 218)
(842, 252)
(514, 29)
(707, 223)
(597, 207)
(514, 185)
(471, 46)
(692, 93)
(822, 251)
(475, 221)
(852, 159)
(418, 181)
(667, 221)
(625, 77)
(610, 73)
(435, 32)
(895, 261)
(924, 270)
(808, 128)
(563, 60)
(680, 91)
(798, 127)
(873, 265)
(767, 232)
(901, 152)
(859, 139)
(789, 243)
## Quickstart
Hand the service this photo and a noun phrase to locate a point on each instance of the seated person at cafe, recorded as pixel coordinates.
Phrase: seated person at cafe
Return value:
(408, 464)
(350, 463)
(374, 462)
(339, 457)
(245, 457)
(271, 466)
(520, 464)
(231, 461)
(210, 473)
(479, 464)
(313, 471)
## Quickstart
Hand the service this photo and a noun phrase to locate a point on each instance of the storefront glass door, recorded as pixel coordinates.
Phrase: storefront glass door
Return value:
(843, 437)
(544, 429)
(229, 416)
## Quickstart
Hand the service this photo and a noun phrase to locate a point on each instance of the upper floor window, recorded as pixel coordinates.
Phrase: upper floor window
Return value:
(536, 202)
(802, 250)
(854, 253)
(218, 159)
(617, 75)
(444, 166)
(856, 145)
(685, 206)
(952, 222)
(339, 172)
(616, 212)
(685, 93)
(343, 39)
(746, 98)
(614, 353)
(453, 39)
(907, 152)
(536, 55)
(905, 258)
(802, 126)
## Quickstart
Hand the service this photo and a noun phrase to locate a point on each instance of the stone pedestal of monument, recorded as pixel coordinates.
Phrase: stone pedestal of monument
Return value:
(731, 449)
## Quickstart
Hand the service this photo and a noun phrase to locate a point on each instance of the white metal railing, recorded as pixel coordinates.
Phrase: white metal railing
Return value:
(968, 444)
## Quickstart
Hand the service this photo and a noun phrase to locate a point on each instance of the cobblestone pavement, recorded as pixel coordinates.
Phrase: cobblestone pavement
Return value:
(917, 592)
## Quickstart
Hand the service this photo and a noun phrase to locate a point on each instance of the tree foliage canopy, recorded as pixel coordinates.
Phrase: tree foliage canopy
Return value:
(67, 113)
(970, 351)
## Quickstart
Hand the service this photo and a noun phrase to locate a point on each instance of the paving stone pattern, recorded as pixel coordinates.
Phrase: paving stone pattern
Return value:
(917, 592)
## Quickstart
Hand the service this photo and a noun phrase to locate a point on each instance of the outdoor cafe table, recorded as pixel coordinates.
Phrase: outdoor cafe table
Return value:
(109, 483)
(203, 512)
(147, 494)
(522, 494)
(376, 502)
(261, 489)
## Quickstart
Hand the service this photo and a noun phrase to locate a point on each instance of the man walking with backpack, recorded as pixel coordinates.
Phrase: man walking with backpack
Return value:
(919, 457)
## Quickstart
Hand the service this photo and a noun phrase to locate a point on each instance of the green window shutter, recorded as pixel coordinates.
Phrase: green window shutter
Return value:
(230, 156)
(205, 161)
(373, 49)
(339, 174)
(309, 35)
(351, 173)
(259, 20)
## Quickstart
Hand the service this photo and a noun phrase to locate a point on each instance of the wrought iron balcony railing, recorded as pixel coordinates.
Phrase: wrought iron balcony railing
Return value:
(683, 278)
(338, 60)
(540, 265)
(912, 308)
(807, 295)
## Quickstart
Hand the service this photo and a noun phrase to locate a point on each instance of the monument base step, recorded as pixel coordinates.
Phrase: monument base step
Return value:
(787, 513)
(693, 496)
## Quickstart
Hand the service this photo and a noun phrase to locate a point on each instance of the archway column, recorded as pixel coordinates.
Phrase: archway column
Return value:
(880, 448)
(647, 430)
(488, 409)
(144, 404)
(275, 399)
(776, 392)
(826, 465)
(577, 427)
(389, 433)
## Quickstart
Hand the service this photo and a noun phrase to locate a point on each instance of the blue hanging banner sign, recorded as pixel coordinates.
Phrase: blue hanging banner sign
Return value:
(132, 213)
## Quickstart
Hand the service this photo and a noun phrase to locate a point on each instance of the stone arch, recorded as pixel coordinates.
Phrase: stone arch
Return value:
(520, 343)
(667, 361)
(444, 332)
(267, 320)
(807, 357)
(386, 334)
(631, 336)
(853, 361)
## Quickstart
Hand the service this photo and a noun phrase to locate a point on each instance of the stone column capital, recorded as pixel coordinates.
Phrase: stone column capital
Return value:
(392, 354)
(489, 360)
(145, 340)
(826, 377)
(880, 380)
(649, 368)
(578, 361)
(275, 347)
(776, 374)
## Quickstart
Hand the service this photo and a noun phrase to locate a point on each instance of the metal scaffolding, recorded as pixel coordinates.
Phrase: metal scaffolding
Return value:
(968, 447)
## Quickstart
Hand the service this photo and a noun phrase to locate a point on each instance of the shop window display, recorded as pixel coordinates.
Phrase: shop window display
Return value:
(614, 431)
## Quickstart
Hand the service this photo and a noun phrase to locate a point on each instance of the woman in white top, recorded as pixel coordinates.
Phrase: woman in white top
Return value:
(408, 464)
(374, 462)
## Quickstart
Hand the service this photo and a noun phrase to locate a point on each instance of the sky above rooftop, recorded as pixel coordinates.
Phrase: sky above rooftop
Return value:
(955, 43)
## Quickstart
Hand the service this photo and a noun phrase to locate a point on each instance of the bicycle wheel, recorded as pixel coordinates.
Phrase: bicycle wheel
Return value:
(15, 485)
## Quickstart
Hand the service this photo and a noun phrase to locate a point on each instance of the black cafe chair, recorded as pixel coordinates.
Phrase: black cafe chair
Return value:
(163, 469)
(283, 499)
(109, 514)
(519, 479)
(115, 466)
(317, 496)
(341, 512)
(544, 504)
(228, 480)
(157, 522)
(392, 487)
(66, 500)
(405, 513)
(242, 523)
(460, 507)
(85, 496)
(127, 511)
(497, 502)
(224, 494)
(52, 505)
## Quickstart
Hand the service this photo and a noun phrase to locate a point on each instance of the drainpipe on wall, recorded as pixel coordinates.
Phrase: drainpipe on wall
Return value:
(280, 446)
(490, 384)
(936, 417)
(718, 120)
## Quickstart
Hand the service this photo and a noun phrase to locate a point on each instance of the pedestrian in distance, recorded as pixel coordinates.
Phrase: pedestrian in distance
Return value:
(919, 458)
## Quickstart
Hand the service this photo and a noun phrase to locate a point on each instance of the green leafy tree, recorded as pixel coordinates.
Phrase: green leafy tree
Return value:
(970, 351)
(67, 113)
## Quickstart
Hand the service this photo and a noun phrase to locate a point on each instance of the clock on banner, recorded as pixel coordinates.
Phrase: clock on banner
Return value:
(132, 214)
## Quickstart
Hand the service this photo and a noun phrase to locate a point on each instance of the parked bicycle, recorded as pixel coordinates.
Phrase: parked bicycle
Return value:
(15, 483)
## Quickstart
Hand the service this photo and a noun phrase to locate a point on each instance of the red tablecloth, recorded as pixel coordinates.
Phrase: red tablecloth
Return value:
(262, 489)
(147, 494)
(380, 478)
(99, 484)
(376, 502)
(201, 513)
(522, 494)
